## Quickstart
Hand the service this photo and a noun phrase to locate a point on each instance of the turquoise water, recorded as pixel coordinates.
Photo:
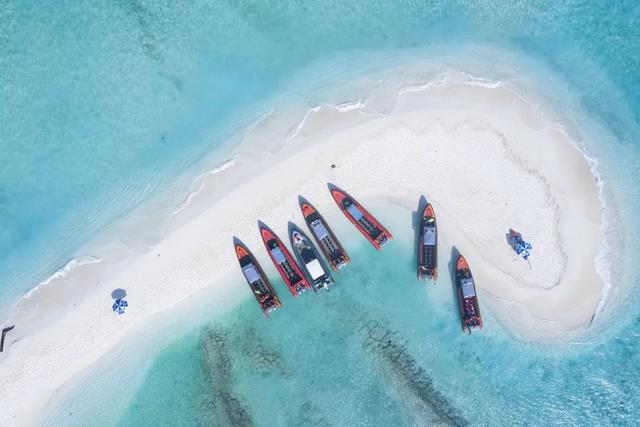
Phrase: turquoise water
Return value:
(104, 104)
(380, 349)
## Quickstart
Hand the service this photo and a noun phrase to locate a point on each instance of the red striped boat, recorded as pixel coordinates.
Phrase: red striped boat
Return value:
(467, 297)
(258, 282)
(322, 233)
(361, 218)
(284, 262)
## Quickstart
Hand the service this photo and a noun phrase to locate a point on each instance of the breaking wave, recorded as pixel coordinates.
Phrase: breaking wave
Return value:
(64, 271)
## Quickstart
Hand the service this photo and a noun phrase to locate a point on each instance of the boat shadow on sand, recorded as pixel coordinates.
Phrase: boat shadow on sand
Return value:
(416, 219)
(453, 259)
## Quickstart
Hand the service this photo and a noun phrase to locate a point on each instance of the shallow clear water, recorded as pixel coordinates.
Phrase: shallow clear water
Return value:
(104, 104)
(381, 349)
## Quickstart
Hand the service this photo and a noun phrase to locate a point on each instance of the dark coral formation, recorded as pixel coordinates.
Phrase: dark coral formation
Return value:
(401, 367)
(218, 366)
(264, 361)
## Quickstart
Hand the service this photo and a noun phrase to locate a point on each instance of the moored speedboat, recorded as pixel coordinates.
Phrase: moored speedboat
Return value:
(467, 297)
(309, 259)
(284, 262)
(326, 240)
(258, 282)
(361, 218)
(428, 245)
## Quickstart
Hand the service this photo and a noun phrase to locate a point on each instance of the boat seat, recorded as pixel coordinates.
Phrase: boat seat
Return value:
(429, 236)
(468, 288)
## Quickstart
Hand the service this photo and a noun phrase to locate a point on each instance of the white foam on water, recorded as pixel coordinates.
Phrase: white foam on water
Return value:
(201, 183)
(395, 89)
(64, 271)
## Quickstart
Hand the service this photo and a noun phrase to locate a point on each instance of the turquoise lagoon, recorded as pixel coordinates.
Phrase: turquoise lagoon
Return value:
(380, 349)
(383, 349)
(106, 105)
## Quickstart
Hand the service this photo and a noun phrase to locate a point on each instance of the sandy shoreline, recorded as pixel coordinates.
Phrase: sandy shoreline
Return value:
(479, 154)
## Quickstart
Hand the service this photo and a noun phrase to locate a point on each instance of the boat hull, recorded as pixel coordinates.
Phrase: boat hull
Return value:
(370, 228)
(428, 245)
(256, 278)
(309, 259)
(324, 236)
(470, 316)
(283, 261)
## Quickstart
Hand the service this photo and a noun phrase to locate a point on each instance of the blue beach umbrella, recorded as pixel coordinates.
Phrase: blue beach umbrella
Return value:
(119, 306)
(522, 248)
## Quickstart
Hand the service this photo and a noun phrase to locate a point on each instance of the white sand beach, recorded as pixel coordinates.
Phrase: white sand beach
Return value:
(483, 157)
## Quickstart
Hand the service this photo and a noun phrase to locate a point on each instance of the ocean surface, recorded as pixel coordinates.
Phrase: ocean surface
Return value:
(105, 105)
(380, 349)
(383, 349)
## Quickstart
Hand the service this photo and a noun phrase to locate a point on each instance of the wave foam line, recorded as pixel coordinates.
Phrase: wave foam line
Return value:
(64, 271)
(203, 183)
(602, 261)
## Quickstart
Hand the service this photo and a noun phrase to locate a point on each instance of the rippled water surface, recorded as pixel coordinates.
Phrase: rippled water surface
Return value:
(104, 104)
(382, 349)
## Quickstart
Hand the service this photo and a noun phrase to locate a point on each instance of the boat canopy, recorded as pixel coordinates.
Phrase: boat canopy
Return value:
(278, 255)
(354, 212)
(319, 229)
(468, 289)
(429, 235)
(251, 273)
(315, 269)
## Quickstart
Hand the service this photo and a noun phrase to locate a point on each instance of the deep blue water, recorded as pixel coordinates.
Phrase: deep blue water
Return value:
(103, 104)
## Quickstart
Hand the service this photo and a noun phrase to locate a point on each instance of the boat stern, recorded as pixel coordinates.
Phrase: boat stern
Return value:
(384, 238)
(427, 273)
(339, 262)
